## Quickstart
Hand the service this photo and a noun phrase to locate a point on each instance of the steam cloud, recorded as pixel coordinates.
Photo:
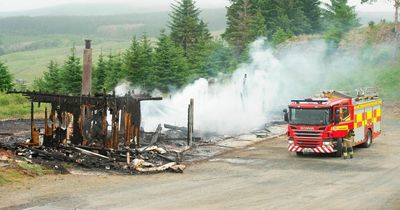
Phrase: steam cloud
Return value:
(257, 91)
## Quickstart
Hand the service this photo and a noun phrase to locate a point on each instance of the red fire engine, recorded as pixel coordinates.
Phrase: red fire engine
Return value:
(318, 125)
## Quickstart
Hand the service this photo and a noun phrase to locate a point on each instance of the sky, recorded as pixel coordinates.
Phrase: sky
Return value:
(20, 5)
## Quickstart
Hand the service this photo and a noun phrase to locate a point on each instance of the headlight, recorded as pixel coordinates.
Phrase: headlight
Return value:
(326, 143)
(290, 142)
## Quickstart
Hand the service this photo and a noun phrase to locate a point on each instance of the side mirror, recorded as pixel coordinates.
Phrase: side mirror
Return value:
(286, 115)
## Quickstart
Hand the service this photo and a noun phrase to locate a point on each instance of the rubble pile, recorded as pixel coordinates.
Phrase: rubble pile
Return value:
(153, 156)
(165, 150)
(152, 159)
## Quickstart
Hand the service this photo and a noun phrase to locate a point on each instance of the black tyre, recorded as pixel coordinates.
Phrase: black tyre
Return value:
(339, 148)
(299, 153)
(369, 139)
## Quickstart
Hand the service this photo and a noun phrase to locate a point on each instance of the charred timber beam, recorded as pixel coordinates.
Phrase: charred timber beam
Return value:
(172, 127)
(182, 139)
(190, 122)
(150, 99)
(6, 134)
(154, 138)
(77, 137)
(52, 97)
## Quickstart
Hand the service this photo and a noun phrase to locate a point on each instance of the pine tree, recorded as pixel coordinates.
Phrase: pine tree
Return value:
(340, 14)
(291, 17)
(238, 25)
(146, 60)
(99, 74)
(114, 71)
(339, 18)
(312, 11)
(72, 75)
(204, 34)
(40, 85)
(5, 78)
(258, 27)
(244, 24)
(52, 78)
(187, 29)
(51, 81)
(132, 63)
(139, 63)
(198, 59)
(221, 60)
(169, 65)
(280, 36)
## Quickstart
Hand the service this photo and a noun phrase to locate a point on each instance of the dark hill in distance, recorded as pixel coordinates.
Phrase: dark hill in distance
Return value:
(85, 9)
(107, 26)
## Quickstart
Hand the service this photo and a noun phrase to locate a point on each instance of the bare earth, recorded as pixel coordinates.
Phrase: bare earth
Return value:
(263, 176)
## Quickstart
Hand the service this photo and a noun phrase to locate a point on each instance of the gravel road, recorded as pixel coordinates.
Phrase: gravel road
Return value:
(263, 176)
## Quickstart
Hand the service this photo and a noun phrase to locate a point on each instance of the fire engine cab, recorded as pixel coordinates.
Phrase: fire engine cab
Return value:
(318, 125)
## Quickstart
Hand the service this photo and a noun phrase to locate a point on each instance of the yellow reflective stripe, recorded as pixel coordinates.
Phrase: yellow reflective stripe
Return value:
(372, 103)
(340, 128)
(359, 117)
(378, 112)
(369, 115)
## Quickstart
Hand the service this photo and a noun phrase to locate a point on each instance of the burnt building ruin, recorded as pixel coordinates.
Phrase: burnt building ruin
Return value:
(103, 121)
(85, 120)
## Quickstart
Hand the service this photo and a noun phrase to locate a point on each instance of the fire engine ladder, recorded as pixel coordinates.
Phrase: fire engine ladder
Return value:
(367, 93)
(335, 94)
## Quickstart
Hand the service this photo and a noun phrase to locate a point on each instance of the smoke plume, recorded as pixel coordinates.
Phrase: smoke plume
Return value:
(257, 91)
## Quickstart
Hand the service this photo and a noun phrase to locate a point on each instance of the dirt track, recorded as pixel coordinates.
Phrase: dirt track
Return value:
(264, 176)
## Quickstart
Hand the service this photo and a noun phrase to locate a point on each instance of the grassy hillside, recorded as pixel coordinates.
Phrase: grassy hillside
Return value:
(380, 59)
(106, 26)
(384, 77)
(29, 65)
(27, 44)
(15, 106)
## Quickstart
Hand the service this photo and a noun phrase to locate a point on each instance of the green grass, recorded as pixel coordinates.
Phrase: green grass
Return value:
(15, 106)
(29, 65)
(389, 82)
(10, 176)
(384, 77)
(20, 171)
(34, 169)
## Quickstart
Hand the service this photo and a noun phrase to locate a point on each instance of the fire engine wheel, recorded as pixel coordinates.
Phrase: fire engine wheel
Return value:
(299, 153)
(339, 148)
(369, 139)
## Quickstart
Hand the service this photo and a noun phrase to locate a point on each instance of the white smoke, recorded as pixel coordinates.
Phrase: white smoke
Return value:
(256, 92)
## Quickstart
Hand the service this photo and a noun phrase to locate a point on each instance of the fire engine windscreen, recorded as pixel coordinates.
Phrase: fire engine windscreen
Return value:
(298, 116)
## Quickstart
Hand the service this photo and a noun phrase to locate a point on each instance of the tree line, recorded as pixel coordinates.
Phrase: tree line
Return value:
(278, 20)
(177, 58)
(189, 51)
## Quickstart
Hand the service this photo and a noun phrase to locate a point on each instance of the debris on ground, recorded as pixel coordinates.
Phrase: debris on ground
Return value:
(162, 150)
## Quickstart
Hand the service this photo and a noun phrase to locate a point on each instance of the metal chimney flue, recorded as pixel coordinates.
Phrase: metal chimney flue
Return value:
(88, 44)
(87, 69)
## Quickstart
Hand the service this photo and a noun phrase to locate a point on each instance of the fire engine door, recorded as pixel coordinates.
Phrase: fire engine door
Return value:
(342, 118)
